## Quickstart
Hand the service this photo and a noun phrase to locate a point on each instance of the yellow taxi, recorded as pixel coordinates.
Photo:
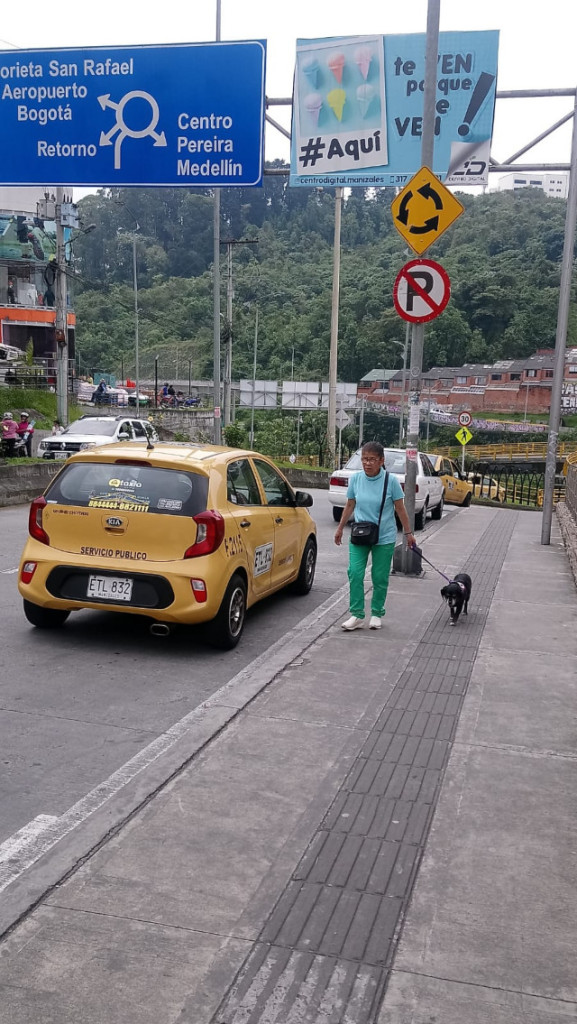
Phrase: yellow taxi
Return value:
(487, 487)
(180, 533)
(458, 489)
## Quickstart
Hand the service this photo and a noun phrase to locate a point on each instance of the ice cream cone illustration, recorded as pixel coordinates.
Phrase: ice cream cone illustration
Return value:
(363, 58)
(311, 69)
(313, 104)
(365, 96)
(336, 100)
(336, 65)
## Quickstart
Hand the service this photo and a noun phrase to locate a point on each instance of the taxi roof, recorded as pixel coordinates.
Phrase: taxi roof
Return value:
(167, 454)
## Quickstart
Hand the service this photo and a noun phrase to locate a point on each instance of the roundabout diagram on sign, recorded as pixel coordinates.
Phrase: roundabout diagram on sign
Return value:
(124, 130)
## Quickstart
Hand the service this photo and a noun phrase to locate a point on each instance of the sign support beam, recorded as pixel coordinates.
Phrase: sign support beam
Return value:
(418, 335)
(560, 341)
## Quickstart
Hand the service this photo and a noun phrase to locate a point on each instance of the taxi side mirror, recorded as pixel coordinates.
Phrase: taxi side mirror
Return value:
(303, 499)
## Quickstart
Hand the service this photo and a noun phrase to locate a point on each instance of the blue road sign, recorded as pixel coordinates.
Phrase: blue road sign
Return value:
(186, 115)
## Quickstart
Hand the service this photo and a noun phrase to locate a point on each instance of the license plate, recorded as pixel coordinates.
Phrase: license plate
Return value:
(109, 588)
(61, 455)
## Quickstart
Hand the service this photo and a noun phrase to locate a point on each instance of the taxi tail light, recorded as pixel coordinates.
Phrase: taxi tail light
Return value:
(199, 590)
(339, 481)
(209, 534)
(28, 570)
(35, 528)
(416, 487)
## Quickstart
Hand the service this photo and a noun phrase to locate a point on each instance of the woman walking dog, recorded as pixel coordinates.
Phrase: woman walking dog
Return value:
(374, 496)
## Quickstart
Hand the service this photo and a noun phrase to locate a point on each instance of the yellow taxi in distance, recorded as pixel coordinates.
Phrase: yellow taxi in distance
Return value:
(458, 489)
(180, 533)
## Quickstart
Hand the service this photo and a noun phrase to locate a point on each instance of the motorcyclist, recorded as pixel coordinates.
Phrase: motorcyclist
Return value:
(9, 432)
(25, 430)
(99, 396)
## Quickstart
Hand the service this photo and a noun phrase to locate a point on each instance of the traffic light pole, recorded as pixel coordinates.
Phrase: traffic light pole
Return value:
(418, 334)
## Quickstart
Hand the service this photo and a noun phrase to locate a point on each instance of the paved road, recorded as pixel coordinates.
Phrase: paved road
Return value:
(77, 705)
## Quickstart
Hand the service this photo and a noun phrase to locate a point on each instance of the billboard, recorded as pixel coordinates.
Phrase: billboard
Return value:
(190, 114)
(358, 106)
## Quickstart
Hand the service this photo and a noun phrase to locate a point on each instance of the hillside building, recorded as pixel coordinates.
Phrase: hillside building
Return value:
(509, 385)
(555, 185)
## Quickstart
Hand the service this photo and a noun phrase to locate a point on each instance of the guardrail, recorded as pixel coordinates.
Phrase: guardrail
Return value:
(502, 452)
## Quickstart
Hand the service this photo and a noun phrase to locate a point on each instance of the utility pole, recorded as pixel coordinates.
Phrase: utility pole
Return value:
(229, 297)
(418, 334)
(61, 322)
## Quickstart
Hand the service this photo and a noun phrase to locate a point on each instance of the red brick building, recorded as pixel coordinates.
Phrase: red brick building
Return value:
(509, 385)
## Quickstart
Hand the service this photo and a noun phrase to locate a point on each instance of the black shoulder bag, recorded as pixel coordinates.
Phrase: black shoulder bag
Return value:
(367, 534)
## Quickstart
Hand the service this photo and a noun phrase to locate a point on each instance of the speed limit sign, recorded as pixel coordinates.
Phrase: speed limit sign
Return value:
(465, 419)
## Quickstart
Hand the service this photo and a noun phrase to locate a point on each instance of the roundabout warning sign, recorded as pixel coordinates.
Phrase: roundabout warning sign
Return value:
(421, 291)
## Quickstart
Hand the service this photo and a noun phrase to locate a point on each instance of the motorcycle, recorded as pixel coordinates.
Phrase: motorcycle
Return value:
(17, 449)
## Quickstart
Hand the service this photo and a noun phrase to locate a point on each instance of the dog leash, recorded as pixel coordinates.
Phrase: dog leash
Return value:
(421, 555)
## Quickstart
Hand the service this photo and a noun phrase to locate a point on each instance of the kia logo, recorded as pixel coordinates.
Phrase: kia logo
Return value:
(114, 521)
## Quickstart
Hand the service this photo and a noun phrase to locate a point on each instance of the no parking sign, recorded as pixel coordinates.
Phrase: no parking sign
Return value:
(422, 290)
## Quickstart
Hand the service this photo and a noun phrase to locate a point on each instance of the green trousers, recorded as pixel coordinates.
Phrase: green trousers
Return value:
(381, 558)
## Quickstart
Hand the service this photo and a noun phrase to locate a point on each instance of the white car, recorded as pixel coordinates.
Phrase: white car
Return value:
(89, 431)
(428, 492)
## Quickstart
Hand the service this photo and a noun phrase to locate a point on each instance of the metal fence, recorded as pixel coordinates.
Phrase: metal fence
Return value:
(571, 486)
(514, 484)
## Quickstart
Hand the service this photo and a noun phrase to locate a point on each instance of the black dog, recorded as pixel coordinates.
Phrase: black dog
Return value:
(457, 594)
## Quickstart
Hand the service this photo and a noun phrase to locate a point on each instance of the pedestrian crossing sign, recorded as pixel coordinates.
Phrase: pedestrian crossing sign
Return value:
(463, 435)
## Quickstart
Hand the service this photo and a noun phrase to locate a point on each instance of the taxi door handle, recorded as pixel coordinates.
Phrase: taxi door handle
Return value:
(244, 522)
(279, 519)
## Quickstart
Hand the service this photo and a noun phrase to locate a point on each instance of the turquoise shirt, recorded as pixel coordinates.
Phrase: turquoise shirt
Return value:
(367, 492)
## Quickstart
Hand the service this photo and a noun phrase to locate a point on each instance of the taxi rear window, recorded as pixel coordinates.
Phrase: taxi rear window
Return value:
(130, 488)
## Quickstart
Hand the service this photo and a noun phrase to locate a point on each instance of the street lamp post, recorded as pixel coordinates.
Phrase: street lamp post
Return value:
(253, 376)
(119, 202)
(136, 321)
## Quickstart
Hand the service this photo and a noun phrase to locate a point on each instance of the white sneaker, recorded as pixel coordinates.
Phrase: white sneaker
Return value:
(353, 623)
(375, 622)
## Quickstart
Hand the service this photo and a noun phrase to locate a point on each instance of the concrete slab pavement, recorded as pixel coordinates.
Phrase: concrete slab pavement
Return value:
(270, 880)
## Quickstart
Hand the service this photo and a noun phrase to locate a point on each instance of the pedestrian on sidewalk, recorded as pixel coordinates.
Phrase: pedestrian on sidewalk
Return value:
(364, 498)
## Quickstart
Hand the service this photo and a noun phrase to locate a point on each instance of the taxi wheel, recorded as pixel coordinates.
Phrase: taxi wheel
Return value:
(305, 578)
(226, 628)
(44, 618)
(467, 501)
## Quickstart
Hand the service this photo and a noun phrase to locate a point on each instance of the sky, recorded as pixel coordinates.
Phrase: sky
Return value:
(537, 46)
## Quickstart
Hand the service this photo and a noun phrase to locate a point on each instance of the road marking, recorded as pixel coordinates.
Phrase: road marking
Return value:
(30, 843)
(18, 842)
(8, 572)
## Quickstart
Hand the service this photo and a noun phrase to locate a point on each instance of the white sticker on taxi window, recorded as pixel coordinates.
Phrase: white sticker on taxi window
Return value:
(262, 559)
(170, 504)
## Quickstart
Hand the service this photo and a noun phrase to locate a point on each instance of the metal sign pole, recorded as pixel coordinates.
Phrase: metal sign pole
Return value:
(333, 356)
(560, 340)
(216, 290)
(427, 149)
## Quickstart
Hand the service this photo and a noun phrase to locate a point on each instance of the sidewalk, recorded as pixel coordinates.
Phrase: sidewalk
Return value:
(384, 835)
